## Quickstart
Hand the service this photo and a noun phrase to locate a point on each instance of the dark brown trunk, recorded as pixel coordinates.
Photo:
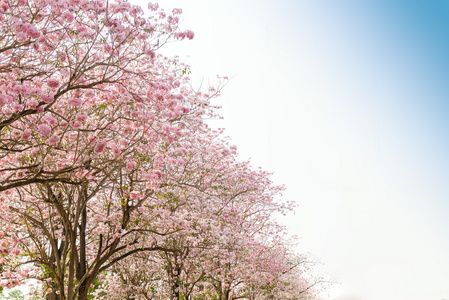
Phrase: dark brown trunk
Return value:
(82, 295)
(81, 269)
(51, 296)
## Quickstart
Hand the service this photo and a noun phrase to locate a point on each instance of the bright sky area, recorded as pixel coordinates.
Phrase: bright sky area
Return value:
(347, 102)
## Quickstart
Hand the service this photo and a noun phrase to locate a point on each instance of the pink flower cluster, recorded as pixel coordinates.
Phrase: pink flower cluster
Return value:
(32, 104)
(131, 165)
(99, 147)
(53, 83)
(68, 17)
(26, 134)
(26, 29)
(184, 34)
(44, 130)
(49, 119)
(135, 195)
(53, 140)
(81, 117)
(100, 229)
(75, 102)
(47, 99)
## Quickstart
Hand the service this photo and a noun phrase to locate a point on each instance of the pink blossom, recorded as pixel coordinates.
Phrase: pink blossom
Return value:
(150, 53)
(89, 94)
(18, 89)
(32, 104)
(36, 91)
(173, 20)
(25, 28)
(153, 6)
(53, 140)
(131, 165)
(189, 34)
(44, 130)
(81, 28)
(180, 35)
(4, 7)
(100, 229)
(136, 114)
(23, 273)
(142, 36)
(47, 99)
(17, 107)
(53, 83)
(75, 125)
(99, 147)
(107, 48)
(26, 134)
(16, 133)
(81, 117)
(75, 102)
(34, 33)
(135, 195)
(116, 151)
(123, 143)
(62, 56)
(92, 139)
(49, 119)
(68, 17)
(157, 173)
(21, 37)
(9, 99)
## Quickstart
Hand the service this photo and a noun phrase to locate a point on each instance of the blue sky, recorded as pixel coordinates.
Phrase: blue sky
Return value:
(347, 102)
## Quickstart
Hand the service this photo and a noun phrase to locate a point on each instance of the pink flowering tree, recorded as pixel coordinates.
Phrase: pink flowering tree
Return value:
(118, 199)
(69, 51)
(224, 197)
(109, 178)
(90, 119)
(201, 207)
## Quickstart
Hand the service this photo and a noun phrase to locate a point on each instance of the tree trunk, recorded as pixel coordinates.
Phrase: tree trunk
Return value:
(175, 290)
(225, 295)
(81, 269)
(51, 296)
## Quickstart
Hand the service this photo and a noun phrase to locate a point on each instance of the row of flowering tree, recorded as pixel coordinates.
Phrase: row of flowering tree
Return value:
(111, 185)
